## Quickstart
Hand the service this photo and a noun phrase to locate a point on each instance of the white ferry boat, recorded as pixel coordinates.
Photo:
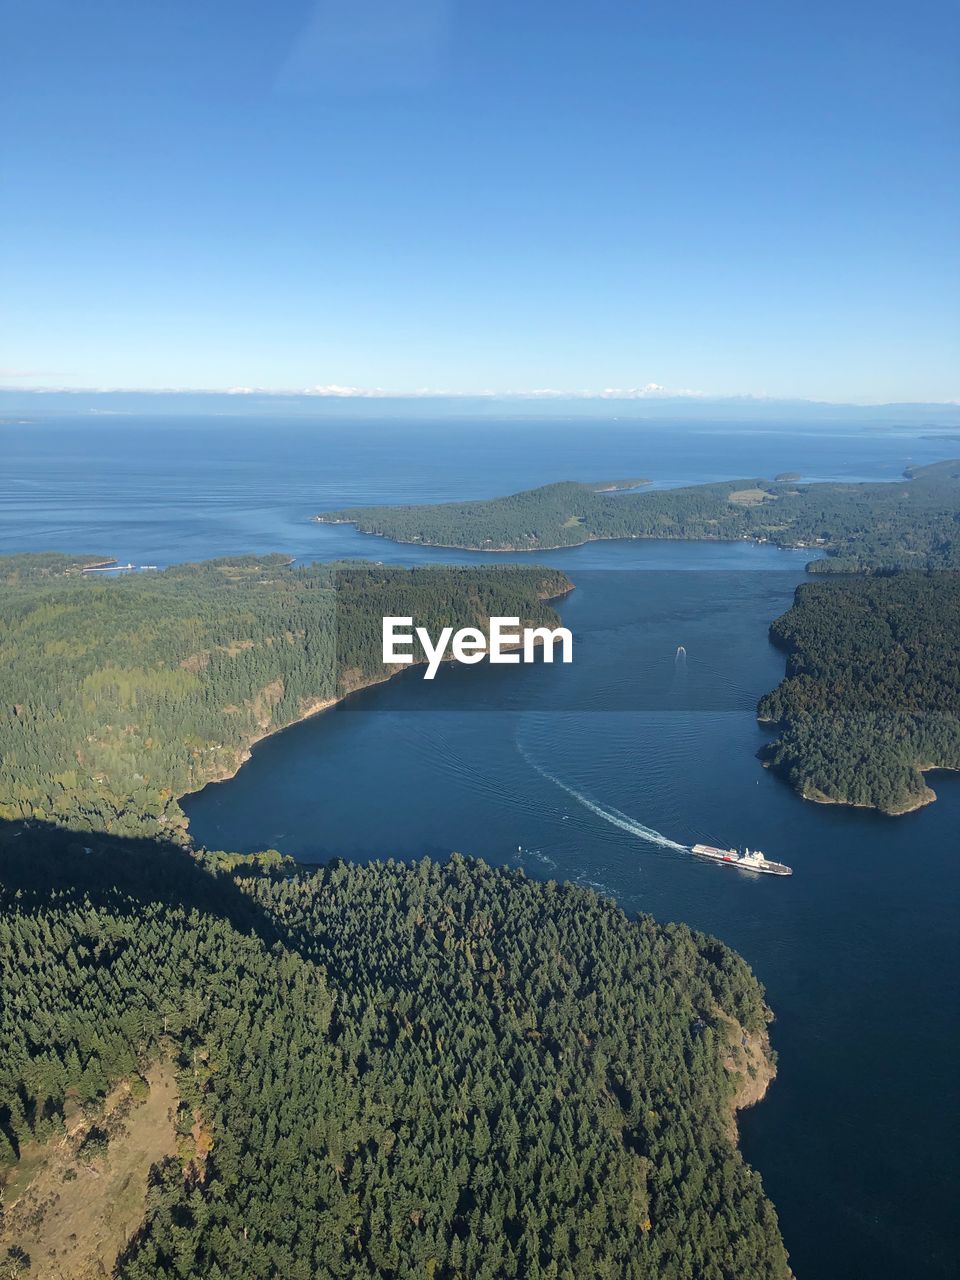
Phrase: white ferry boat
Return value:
(749, 859)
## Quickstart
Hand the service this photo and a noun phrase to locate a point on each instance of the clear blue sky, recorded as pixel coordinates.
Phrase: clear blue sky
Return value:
(752, 197)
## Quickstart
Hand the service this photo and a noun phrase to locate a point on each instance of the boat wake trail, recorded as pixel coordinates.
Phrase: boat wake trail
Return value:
(611, 815)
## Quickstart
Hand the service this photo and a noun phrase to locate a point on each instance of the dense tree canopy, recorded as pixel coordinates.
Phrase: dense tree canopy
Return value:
(437, 1070)
(117, 696)
(913, 523)
(32, 566)
(872, 690)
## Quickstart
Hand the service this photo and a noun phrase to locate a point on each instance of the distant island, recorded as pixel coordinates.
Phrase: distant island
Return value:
(785, 476)
(871, 697)
(906, 524)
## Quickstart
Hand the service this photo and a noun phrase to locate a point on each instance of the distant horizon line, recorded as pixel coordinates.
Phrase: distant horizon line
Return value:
(651, 393)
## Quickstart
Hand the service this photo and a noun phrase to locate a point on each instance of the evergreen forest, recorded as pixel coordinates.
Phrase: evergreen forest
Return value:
(871, 695)
(428, 1070)
(119, 695)
(913, 523)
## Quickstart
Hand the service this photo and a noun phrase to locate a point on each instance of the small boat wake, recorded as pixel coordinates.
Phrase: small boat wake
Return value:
(611, 815)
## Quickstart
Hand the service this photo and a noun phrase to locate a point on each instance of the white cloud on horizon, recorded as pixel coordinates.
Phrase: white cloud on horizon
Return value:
(651, 390)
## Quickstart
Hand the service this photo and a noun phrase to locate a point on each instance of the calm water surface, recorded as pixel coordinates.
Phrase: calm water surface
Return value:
(856, 1141)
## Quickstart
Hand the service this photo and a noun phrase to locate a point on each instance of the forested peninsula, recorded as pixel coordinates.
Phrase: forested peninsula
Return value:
(913, 523)
(871, 697)
(427, 1070)
(119, 695)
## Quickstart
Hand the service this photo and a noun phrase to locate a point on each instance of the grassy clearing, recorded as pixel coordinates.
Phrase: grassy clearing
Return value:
(751, 497)
(72, 1213)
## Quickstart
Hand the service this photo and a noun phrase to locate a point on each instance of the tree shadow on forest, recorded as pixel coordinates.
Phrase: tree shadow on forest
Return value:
(40, 862)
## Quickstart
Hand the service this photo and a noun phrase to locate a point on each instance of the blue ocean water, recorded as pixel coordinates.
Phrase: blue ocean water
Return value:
(157, 491)
(858, 950)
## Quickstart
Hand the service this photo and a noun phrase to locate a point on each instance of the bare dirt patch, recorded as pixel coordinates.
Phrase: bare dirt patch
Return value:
(750, 1062)
(750, 497)
(72, 1210)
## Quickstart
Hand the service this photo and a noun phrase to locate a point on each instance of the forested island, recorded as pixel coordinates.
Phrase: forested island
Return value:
(439, 1070)
(119, 695)
(871, 697)
(913, 523)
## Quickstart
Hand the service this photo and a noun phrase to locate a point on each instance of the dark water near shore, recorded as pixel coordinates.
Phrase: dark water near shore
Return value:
(858, 950)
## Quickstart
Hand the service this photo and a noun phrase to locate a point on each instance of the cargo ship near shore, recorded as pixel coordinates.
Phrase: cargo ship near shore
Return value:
(748, 860)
